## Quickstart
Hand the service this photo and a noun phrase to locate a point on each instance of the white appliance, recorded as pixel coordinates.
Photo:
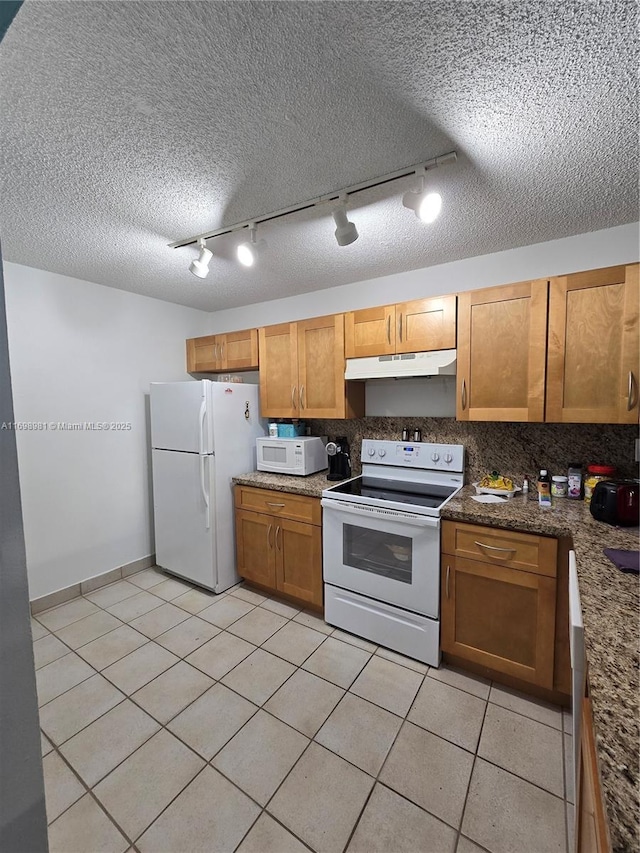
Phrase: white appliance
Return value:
(202, 434)
(381, 545)
(436, 363)
(299, 456)
(578, 669)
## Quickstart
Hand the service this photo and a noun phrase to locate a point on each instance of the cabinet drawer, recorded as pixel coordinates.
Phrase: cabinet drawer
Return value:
(280, 504)
(524, 551)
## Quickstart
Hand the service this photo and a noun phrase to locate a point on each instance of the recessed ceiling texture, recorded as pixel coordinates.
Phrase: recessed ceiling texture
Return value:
(127, 126)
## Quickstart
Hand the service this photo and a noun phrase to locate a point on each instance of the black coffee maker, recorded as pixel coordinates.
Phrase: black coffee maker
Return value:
(339, 460)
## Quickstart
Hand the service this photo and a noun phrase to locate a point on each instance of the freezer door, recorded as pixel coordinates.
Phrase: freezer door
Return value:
(182, 497)
(179, 416)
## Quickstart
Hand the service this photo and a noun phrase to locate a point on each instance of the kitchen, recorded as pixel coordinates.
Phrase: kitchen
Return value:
(105, 345)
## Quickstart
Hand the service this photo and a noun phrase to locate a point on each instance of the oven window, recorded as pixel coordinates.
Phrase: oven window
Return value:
(379, 553)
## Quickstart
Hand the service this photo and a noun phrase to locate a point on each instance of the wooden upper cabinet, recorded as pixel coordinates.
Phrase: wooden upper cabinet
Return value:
(417, 326)
(279, 371)
(231, 351)
(593, 366)
(501, 353)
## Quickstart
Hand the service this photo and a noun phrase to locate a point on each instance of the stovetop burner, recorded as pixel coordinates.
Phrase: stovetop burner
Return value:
(397, 491)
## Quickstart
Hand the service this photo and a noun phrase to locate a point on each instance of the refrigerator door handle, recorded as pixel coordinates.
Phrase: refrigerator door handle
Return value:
(205, 496)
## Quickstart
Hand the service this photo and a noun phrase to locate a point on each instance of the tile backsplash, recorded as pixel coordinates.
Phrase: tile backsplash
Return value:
(513, 449)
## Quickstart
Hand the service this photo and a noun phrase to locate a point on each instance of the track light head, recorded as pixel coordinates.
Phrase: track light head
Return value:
(346, 232)
(247, 251)
(200, 267)
(426, 205)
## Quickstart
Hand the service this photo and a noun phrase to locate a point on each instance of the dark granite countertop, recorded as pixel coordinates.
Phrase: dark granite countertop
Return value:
(611, 623)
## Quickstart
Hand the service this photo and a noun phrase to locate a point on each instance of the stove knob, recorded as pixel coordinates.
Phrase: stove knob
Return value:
(435, 456)
(371, 451)
(382, 452)
(448, 457)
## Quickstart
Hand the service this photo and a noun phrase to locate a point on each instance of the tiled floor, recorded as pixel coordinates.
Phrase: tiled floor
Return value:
(174, 720)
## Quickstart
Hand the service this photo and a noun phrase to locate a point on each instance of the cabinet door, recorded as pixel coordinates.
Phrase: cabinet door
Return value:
(203, 354)
(255, 547)
(321, 367)
(279, 397)
(370, 332)
(299, 560)
(594, 348)
(239, 350)
(502, 352)
(426, 324)
(591, 823)
(500, 617)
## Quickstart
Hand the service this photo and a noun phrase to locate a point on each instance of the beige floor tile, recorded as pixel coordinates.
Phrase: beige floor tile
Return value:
(360, 732)
(567, 721)
(142, 786)
(37, 630)
(194, 725)
(209, 815)
(505, 813)
(63, 717)
(148, 578)
(524, 747)
(225, 611)
(112, 594)
(528, 706)
(313, 620)
(391, 823)
(260, 755)
(85, 827)
(282, 608)
(61, 787)
(111, 647)
(467, 846)
(473, 684)
(47, 649)
(346, 637)
(246, 594)
(337, 662)
(61, 675)
(430, 772)
(388, 684)
(403, 660)
(448, 712)
(219, 655)
(258, 676)
(137, 605)
(257, 626)
(96, 750)
(568, 769)
(267, 836)
(171, 692)
(159, 620)
(65, 614)
(90, 628)
(172, 588)
(321, 799)
(195, 600)
(188, 636)
(45, 745)
(294, 642)
(139, 667)
(305, 701)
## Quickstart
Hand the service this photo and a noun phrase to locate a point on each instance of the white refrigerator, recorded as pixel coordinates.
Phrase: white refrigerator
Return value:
(202, 434)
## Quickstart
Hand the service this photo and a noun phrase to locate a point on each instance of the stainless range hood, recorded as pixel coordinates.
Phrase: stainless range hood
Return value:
(437, 363)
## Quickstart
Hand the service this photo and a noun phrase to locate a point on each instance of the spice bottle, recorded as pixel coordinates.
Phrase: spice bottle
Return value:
(574, 478)
(525, 484)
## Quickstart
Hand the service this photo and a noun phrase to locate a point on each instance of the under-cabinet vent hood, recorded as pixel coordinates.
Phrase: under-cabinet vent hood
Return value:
(438, 363)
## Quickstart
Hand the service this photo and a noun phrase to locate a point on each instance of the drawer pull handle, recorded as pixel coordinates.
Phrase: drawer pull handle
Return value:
(270, 528)
(294, 389)
(400, 328)
(389, 329)
(278, 541)
(463, 395)
(448, 573)
(494, 548)
(630, 393)
(271, 503)
(302, 396)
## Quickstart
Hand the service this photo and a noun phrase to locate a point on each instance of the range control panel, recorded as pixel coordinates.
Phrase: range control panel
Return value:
(412, 454)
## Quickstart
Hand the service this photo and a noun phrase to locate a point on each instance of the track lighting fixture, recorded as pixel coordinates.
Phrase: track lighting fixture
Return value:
(346, 232)
(247, 251)
(200, 267)
(426, 204)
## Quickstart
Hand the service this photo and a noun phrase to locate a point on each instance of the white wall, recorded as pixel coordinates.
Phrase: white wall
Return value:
(557, 257)
(82, 352)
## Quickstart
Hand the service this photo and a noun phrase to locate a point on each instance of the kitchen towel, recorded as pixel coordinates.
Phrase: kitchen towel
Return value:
(626, 561)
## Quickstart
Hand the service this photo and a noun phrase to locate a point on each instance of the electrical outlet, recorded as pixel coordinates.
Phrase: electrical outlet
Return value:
(637, 449)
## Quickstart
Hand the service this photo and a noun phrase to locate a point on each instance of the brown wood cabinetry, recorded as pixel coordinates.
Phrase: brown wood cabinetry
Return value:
(417, 326)
(593, 362)
(231, 351)
(501, 353)
(499, 600)
(302, 371)
(279, 542)
(592, 832)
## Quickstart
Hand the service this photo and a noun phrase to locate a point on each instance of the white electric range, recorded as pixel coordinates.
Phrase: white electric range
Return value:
(381, 545)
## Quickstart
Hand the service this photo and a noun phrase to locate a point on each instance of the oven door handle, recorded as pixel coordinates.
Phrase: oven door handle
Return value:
(380, 513)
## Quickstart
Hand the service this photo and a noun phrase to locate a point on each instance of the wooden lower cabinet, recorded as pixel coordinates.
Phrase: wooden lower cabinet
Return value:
(280, 553)
(592, 834)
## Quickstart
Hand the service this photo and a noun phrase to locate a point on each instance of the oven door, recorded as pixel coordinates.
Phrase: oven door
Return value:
(389, 555)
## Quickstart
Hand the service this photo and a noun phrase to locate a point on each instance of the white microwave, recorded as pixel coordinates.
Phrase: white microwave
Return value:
(299, 456)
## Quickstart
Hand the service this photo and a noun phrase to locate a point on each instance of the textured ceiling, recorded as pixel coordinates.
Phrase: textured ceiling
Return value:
(126, 126)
